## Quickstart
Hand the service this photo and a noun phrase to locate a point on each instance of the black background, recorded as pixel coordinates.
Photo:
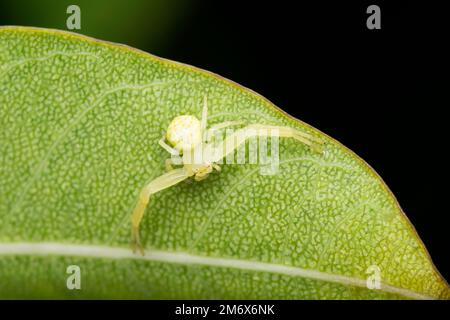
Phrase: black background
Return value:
(382, 93)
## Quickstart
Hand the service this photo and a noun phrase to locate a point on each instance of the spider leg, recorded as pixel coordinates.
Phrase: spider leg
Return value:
(233, 141)
(168, 148)
(164, 181)
(286, 132)
(220, 126)
(169, 165)
(171, 162)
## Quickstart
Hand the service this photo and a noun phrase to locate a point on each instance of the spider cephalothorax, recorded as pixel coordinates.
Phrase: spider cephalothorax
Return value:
(189, 137)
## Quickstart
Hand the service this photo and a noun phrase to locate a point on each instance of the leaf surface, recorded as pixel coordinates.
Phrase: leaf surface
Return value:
(80, 121)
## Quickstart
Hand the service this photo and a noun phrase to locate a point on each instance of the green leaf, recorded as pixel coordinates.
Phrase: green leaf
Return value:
(80, 121)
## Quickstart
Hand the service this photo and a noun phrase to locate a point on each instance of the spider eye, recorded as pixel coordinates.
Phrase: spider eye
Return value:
(184, 132)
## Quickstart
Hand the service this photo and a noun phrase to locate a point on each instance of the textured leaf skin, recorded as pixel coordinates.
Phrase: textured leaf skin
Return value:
(79, 125)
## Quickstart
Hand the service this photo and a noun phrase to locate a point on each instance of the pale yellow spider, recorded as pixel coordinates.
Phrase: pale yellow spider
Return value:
(188, 136)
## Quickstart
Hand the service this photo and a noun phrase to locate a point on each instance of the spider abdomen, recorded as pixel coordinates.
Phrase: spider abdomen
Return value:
(184, 132)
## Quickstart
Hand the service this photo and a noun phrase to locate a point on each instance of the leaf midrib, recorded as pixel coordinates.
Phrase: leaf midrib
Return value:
(179, 257)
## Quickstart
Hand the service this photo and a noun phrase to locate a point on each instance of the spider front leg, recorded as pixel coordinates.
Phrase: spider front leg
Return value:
(287, 132)
(220, 126)
(168, 148)
(162, 182)
(233, 141)
(170, 162)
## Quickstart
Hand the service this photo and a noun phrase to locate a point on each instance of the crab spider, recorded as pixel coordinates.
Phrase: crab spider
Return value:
(185, 136)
